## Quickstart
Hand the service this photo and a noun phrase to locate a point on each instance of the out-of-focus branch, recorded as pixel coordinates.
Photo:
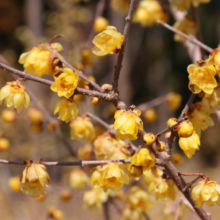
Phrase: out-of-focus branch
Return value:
(189, 38)
(177, 214)
(121, 53)
(105, 206)
(105, 96)
(152, 103)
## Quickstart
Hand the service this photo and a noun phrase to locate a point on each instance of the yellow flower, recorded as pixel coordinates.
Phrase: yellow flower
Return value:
(185, 4)
(67, 109)
(35, 116)
(153, 173)
(120, 5)
(108, 147)
(201, 78)
(82, 128)
(163, 188)
(127, 124)
(33, 179)
(129, 213)
(214, 59)
(94, 198)
(171, 122)
(144, 158)
(173, 100)
(214, 98)
(14, 96)
(190, 145)
(38, 61)
(85, 152)
(160, 146)
(187, 26)
(139, 199)
(134, 171)
(4, 144)
(200, 116)
(65, 83)
(65, 195)
(185, 129)
(100, 24)
(14, 183)
(78, 179)
(206, 191)
(55, 213)
(150, 115)
(109, 176)
(108, 42)
(148, 12)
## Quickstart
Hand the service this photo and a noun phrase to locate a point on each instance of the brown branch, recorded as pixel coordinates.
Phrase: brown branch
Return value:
(177, 214)
(105, 206)
(81, 74)
(189, 38)
(121, 53)
(190, 183)
(105, 96)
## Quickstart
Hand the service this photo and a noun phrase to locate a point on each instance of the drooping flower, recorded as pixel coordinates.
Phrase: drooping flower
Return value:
(108, 147)
(78, 179)
(148, 12)
(214, 59)
(187, 26)
(82, 128)
(33, 179)
(134, 171)
(190, 145)
(139, 199)
(144, 158)
(65, 83)
(109, 176)
(127, 124)
(202, 78)
(39, 60)
(94, 198)
(163, 188)
(207, 191)
(108, 41)
(67, 109)
(14, 96)
(214, 98)
(153, 173)
(185, 129)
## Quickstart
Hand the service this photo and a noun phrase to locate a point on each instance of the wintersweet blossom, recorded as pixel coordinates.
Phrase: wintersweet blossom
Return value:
(67, 109)
(65, 83)
(14, 96)
(108, 41)
(33, 179)
(207, 191)
(214, 59)
(78, 179)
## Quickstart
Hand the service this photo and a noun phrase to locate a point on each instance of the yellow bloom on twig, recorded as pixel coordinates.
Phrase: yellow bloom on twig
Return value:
(67, 109)
(207, 191)
(190, 145)
(214, 98)
(108, 41)
(187, 26)
(201, 78)
(148, 12)
(214, 59)
(109, 176)
(153, 173)
(65, 83)
(127, 124)
(82, 128)
(33, 179)
(14, 96)
(145, 159)
(78, 179)
(163, 188)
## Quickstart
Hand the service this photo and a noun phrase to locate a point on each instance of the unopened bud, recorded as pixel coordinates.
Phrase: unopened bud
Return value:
(171, 122)
(185, 129)
(95, 100)
(149, 139)
(161, 146)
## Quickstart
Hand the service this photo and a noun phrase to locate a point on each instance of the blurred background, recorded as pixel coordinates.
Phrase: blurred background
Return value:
(154, 65)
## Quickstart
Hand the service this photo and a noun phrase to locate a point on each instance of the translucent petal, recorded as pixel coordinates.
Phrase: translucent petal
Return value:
(206, 193)
(23, 57)
(196, 191)
(4, 92)
(27, 100)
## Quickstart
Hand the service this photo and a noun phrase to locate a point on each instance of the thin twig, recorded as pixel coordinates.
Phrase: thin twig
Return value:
(190, 183)
(105, 96)
(105, 206)
(190, 38)
(74, 163)
(177, 215)
(121, 53)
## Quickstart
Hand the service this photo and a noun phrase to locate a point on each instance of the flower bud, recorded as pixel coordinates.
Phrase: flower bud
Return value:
(35, 116)
(149, 139)
(161, 146)
(177, 158)
(14, 183)
(95, 100)
(150, 115)
(107, 87)
(173, 100)
(171, 122)
(185, 129)
(65, 195)
(4, 144)
(9, 116)
(55, 213)
(100, 24)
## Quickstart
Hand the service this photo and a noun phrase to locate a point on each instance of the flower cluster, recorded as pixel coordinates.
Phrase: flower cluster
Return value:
(148, 12)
